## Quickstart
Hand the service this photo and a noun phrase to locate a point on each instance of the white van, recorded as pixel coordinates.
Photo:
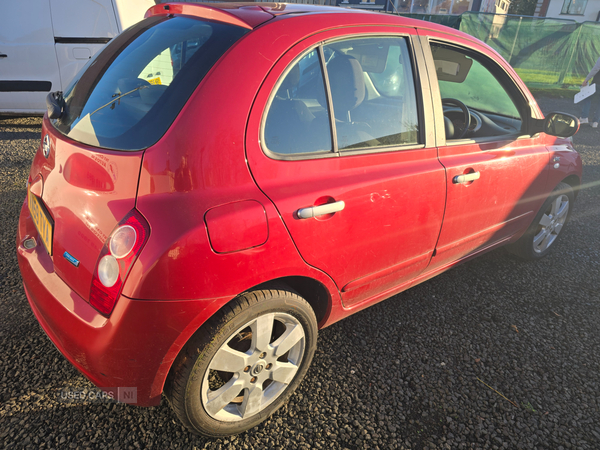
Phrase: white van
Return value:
(44, 44)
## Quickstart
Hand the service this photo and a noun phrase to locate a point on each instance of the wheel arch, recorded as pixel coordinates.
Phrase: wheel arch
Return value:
(574, 182)
(313, 291)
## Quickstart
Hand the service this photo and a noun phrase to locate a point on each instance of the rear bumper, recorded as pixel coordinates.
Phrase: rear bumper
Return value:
(128, 354)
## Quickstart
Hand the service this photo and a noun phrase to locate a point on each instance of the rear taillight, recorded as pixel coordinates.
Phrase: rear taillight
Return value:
(120, 251)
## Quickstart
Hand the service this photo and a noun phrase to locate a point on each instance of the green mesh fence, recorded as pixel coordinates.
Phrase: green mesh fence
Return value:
(546, 53)
(443, 19)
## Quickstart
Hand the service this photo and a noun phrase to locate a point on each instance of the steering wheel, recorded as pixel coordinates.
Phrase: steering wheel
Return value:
(466, 113)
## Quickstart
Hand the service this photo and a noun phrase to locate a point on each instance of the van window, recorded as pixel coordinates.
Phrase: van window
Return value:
(129, 95)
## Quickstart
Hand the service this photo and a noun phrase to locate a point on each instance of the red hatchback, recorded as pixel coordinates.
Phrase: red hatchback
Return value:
(221, 181)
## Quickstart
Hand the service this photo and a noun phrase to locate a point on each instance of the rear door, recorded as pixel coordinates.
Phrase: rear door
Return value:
(28, 66)
(342, 144)
(496, 173)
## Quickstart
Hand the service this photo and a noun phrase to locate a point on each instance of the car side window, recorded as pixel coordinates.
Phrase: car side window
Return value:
(373, 93)
(298, 118)
(470, 83)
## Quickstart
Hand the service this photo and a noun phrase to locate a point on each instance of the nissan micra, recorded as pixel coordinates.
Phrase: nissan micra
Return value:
(223, 180)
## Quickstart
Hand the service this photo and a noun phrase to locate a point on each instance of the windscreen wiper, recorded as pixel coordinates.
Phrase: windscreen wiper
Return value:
(115, 99)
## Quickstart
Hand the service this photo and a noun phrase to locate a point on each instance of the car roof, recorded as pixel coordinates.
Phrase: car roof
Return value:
(251, 15)
(274, 8)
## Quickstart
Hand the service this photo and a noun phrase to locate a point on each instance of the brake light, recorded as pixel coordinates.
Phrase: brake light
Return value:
(120, 251)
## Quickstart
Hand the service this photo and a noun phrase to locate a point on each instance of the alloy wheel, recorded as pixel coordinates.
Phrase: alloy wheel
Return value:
(253, 367)
(551, 223)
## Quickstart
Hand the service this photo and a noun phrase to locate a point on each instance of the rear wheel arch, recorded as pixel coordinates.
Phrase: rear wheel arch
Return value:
(194, 354)
(311, 290)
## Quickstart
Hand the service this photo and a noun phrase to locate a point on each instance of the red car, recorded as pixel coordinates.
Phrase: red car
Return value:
(223, 180)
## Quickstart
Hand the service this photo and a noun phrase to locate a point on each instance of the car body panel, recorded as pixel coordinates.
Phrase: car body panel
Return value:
(500, 203)
(26, 46)
(86, 191)
(100, 347)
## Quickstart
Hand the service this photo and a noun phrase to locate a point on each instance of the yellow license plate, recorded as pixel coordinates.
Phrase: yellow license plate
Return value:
(42, 220)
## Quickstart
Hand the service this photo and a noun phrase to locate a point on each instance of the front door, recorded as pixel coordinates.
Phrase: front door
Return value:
(495, 173)
(346, 161)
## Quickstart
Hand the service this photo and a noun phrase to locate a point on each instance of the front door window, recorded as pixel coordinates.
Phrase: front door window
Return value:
(472, 96)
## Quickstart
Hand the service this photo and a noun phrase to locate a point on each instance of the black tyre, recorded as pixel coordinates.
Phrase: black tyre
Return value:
(541, 236)
(244, 363)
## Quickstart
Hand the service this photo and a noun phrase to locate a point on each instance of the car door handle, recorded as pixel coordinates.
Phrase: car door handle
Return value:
(2, 55)
(465, 178)
(321, 210)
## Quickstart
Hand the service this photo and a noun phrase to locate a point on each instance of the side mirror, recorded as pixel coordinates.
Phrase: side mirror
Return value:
(561, 124)
(556, 124)
(55, 104)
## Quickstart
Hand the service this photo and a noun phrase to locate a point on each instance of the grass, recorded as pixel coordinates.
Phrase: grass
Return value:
(553, 92)
(545, 84)
(528, 406)
(545, 77)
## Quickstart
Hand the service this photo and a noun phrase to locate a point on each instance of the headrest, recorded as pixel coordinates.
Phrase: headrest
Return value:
(347, 84)
(292, 78)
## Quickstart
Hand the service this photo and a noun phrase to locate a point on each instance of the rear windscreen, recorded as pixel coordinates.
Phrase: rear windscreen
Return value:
(129, 94)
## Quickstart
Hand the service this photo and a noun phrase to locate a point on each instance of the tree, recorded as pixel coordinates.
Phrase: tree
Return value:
(522, 7)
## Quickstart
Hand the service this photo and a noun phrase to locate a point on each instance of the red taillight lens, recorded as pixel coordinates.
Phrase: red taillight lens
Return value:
(120, 251)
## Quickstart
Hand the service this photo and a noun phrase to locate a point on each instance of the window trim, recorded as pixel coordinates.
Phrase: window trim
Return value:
(413, 44)
(325, 74)
(566, 7)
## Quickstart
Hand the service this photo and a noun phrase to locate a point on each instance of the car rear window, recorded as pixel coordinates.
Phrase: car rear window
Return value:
(129, 94)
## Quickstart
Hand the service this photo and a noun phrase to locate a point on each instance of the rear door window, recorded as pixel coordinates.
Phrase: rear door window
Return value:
(373, 93)
(371, 104)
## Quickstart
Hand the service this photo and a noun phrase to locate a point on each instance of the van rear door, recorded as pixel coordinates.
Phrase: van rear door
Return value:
(28, 65)
(81, 28)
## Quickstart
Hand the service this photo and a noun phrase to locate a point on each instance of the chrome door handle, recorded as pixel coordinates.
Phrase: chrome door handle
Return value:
(321, 210)
(461, 179)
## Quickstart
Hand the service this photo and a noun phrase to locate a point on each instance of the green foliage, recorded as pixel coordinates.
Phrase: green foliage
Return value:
(528, 406)
(522, 7)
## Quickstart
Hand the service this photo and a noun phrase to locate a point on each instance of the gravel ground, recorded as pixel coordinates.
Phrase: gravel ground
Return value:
(493, 354)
